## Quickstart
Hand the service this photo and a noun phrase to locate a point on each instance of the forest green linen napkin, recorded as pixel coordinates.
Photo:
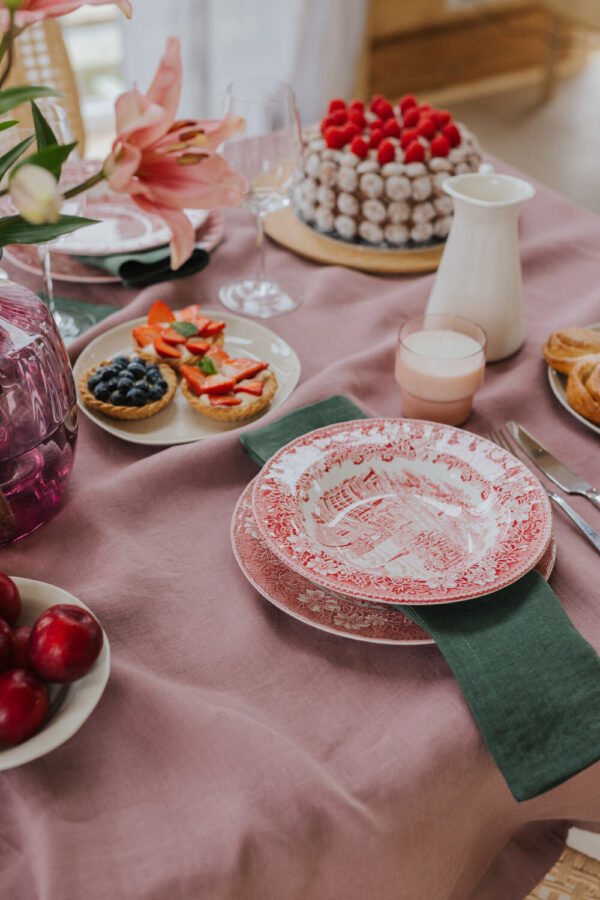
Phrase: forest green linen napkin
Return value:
(531, 680)
(138, 270)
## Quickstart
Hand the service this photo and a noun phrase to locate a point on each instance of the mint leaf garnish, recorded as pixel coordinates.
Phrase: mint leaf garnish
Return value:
(206, 365)
(184, 328)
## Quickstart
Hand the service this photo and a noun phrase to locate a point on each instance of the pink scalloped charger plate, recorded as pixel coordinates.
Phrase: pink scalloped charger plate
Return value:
(69, 268)
(376, 623)
(402, 511)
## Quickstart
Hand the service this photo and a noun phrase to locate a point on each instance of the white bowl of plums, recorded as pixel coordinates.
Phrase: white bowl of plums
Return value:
(54, 665)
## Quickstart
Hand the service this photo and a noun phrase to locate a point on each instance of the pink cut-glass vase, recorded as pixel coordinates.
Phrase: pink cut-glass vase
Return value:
(38, 414)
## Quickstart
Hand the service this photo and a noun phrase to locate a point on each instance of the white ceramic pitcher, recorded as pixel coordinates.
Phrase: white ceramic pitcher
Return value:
(480, 272)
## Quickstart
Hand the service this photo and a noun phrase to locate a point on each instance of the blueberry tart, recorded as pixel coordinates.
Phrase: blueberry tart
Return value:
(128, 387)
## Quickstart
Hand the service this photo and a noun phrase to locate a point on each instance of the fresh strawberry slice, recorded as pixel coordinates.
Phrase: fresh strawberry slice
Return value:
(250, 387)
(188, 314)
(200, 322)
(171, 336)
(218, 356)
(194, 377)
(160, 312)
(218, 384)
(243, 368)
(146, 334)
(224, 401)
(212, 328)
(164, 349)
(197, 346)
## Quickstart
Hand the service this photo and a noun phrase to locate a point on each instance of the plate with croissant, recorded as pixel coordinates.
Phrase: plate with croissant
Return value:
(573, 357)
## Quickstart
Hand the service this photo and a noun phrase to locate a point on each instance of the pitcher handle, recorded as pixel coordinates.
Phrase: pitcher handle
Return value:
(486, 169)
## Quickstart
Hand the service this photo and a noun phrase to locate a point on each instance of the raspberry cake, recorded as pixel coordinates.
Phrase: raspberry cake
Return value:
(375, 175)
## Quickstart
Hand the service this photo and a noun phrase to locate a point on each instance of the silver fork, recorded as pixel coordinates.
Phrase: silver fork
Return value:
(502, 439)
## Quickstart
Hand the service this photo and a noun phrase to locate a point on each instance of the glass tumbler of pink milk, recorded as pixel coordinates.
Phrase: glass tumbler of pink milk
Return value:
(440, 361)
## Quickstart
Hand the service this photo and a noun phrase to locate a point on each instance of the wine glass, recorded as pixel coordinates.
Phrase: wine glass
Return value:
(69, 324)
(267, 154)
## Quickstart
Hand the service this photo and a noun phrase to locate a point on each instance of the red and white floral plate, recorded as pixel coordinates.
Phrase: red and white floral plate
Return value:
(376, 623)
(402, 511)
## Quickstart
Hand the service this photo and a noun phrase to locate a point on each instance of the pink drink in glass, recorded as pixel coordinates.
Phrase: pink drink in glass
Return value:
(38, 414)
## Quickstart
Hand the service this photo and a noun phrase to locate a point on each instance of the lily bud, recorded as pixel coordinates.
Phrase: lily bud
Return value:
(35, 195)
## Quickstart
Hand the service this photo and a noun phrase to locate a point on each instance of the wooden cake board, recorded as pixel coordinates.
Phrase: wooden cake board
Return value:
(287, 229)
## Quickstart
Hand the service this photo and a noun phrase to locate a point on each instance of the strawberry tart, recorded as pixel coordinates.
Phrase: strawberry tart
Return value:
(177, 338)
(375, 174)
(228, 389)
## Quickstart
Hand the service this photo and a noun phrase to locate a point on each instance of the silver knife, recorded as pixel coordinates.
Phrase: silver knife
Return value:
(556, 471)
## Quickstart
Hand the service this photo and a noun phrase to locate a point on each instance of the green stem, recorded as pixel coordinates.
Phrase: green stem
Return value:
(8, 41)
(85, 185)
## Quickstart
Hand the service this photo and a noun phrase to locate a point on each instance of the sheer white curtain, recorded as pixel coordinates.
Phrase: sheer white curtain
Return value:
(313, 44)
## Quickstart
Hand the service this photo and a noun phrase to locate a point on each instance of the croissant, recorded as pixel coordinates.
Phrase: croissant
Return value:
(564, 348)
(583, 388)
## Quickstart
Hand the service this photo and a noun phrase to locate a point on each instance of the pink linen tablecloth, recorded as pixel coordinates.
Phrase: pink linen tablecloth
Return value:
(238, 753)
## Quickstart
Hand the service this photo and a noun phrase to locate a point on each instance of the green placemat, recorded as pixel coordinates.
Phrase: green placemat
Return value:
(531, 680)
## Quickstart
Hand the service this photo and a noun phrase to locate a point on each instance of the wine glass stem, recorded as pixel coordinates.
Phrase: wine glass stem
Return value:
(46, 266)
(261, 274)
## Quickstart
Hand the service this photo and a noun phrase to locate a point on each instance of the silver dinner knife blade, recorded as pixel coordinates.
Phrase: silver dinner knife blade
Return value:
(556, 471)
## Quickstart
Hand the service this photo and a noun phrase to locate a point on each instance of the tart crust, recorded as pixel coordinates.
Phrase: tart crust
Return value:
(174, 363)
(232, 413)
(130, 413)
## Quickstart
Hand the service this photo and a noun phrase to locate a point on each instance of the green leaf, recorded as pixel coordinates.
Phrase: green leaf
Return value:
(187, 329)
(5, 125)
(11, 97)
(16, 230)
(206, 365)
(12, 155)
(50, 158)
(44, 135)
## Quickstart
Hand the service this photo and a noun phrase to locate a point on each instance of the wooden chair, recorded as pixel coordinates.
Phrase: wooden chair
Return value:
(41, 58)
(574, 877)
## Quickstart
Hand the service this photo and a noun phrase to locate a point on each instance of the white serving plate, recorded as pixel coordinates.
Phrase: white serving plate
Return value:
(402, 511)
(81, 696)
(178, 423)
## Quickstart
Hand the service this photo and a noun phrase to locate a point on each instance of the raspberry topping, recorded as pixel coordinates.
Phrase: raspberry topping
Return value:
(442, 117)
(336, 103)
(408, 136)
(350, 131)
(376, 138)
(334, 138)
(415, 152)
(426, 128)
(440, 146)
(357, 117)
(359, 147)
(452, 133)
(411, 117)
(384, 110)
(339, 117)
(377, 98)
(386, 152)
(358, 105)
(391, 128)
(406, 102)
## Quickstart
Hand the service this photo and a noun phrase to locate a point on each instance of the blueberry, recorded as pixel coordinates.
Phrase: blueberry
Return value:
(124, 382)
(162, 384)
(155, 393)
(140, 361)
(102, 392)
(117, 398)
(142, 386)
(109, 373)
(119, 362)
(93, 382)
(136, 371)
(153, 376)
(136, 397)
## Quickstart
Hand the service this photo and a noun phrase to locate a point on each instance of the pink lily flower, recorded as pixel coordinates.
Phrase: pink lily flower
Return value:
(30, 11)
(167, 166)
